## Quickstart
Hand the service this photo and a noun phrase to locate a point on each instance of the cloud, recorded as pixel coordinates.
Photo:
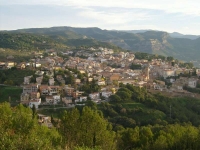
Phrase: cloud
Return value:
(166, 15)
(114, 16)
(186, 7)
(169, 6)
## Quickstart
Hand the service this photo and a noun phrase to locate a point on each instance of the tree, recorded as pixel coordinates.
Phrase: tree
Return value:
(115, 98)
(19, 131)
(125, 96)
(86, 129)
(34, 111)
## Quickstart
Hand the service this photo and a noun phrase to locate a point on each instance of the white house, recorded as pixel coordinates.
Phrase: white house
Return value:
(101, 83)
(35, 102)
(56, 99)
(192, 83)
(39, 80)
(27, 79)
(106, 94)
(94, 96)
(51, 81)
(53, 99)
(83, 98)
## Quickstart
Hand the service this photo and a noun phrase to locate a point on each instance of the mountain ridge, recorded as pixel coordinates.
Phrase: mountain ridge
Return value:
(150, 41)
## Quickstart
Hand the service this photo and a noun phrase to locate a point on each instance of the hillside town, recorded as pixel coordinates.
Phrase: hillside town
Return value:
(63, 79)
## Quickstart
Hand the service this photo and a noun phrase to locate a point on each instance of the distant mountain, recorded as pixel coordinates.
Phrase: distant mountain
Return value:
(174, 34)
(136, 31)
(179, 35)
(150, 41)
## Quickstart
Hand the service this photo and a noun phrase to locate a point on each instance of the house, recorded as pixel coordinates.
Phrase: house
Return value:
(53, 99)
(156, 86)
(37, 65)
(127, 81)
(39, 73)
(83, 98)
(198, 72)
(10, 64)
(49, 99)
(56, 99)
(115, 77)
(34, 95)
(67, 100)
(44, 90)
(101, 82)
(30, 88)
(21, 65)
(45, 121)
(27, 79)
(60, 79)
(140, 83)
(77, 81)
(69, 90)
(39, 80)
(77, 94)
(94, 96)
(24, 97)
(54, 90)
(106, 94)
(168, 73)
(2, 64)
(177, 86)
(35, 102)
(192, 82)
(51, 81)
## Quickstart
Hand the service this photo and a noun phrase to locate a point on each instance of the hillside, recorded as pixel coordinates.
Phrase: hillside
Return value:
(42, 40)
(149, 41)
(26, 41)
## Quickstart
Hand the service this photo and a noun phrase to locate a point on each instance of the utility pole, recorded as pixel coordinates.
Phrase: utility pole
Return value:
(170, 111)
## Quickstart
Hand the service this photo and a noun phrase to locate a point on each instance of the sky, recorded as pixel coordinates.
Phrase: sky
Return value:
(181, 16)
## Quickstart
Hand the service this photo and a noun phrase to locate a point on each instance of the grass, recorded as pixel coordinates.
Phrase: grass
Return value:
(10, 91)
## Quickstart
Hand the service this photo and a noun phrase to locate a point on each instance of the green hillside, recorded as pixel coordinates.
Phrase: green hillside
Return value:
(42, 40)
(26, 41)
(153, 42)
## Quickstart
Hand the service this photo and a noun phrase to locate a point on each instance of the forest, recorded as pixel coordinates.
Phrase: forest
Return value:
(133, 120)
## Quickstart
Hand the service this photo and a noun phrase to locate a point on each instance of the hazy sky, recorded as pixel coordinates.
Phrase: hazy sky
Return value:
(167, 15)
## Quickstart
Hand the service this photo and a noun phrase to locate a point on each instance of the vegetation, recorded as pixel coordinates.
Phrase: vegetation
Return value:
(138, 107)
(18, 130)
(19, 55)
(141, 55)
(135, 66)
(29, 41)
(14, 76)
(86, 128)
(9, 93)
(25, 41)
